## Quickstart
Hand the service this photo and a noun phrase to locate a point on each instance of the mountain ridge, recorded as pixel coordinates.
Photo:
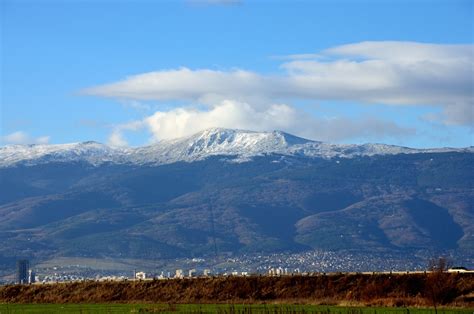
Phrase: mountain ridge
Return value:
(242, 144)
(198, 202)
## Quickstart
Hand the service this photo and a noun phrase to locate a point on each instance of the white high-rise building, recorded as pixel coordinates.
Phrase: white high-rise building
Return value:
(140, 275)
(179, 273)
(31, 276)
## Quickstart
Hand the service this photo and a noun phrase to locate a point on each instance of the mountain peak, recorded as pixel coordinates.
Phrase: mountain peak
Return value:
(239, 142)
(293, 139)
(91, 143)
(223, 135)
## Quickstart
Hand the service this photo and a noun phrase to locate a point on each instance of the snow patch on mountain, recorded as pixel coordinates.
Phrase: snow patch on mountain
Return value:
(242, 145)
(216, 141)
(90, 152)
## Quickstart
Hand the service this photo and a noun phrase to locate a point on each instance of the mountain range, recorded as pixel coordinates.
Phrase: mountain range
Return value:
(225, 191)
(212, 142)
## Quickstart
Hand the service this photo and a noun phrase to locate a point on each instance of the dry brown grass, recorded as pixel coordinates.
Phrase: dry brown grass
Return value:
(374, 290)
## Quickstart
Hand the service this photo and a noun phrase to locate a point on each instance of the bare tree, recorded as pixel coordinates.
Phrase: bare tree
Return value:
(439, 283)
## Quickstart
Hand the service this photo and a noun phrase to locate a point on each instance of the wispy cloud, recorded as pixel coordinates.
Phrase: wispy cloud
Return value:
(117, 138)
(21, 137)
(134, 104)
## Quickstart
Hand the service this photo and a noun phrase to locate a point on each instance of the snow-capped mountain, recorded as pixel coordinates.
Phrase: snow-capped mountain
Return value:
(271, 192)
(216, 141)
(242, 145)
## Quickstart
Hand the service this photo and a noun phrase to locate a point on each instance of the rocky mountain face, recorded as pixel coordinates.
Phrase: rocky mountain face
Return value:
(231, 192)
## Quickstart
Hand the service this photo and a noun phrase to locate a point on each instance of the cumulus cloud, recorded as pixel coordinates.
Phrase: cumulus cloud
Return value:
(229, 114)
(20, 137)
(393, 73)
(240, 115)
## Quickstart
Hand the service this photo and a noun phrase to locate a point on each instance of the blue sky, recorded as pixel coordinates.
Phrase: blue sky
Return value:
(135, 72)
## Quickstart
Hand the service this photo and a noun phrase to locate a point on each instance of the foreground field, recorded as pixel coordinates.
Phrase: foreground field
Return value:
(215, 308)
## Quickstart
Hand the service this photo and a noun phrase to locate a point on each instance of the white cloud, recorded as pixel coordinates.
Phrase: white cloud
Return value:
(394, 73)
(139, 106)
(117, 137)
(205, 86)
(20, 137)
(460, 113)
(42, 140)
(240, 115)
(405, 51)
(229, 114)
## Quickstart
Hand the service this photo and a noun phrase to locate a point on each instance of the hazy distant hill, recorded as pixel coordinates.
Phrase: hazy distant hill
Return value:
(232, 191)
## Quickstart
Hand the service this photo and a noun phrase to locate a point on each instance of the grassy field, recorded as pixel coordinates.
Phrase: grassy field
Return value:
(214, 308)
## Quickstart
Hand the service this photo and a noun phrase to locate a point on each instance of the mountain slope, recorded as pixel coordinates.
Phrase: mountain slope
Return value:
(284, 194)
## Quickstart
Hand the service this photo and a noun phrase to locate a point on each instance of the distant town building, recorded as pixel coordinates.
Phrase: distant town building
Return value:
(206, 272)
(458, 270)
(22, 267)
(191, 273)
(179, 273)
(140, 275)
(31, 277)
(277, 271)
